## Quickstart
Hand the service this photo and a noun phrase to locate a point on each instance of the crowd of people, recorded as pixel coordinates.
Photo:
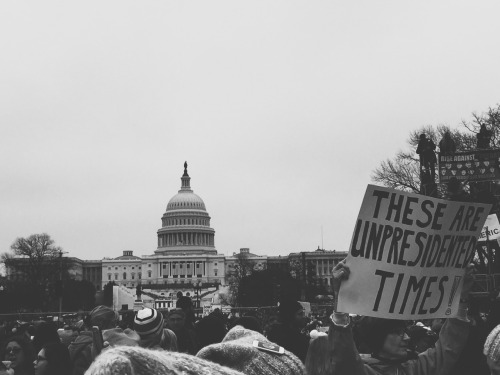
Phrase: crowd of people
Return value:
(150, 341)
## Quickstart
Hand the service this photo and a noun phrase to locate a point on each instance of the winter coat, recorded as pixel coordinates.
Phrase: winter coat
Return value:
(80, 352)
(438, 360)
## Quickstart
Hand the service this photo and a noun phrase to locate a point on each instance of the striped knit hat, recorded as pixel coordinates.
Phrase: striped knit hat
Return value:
(237, 352)
(148, 322)
(492, 345)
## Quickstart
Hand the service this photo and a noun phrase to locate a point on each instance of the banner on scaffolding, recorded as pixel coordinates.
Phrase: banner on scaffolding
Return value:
(408, 255)
(477, 165)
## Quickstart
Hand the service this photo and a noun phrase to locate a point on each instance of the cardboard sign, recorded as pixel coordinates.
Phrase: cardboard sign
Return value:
(408, 255)
(491, 229)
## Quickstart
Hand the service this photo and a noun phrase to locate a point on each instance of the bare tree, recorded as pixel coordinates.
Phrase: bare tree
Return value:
(403, 171)
(491, 119)
(243, 267)
(35, 259)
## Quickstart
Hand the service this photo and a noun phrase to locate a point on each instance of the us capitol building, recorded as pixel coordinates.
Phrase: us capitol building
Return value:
(186, 251)
(186, 254)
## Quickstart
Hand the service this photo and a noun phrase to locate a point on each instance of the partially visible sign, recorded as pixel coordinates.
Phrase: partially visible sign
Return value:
(491, 229)
(477, 165)
(207, 309)
(307, 307)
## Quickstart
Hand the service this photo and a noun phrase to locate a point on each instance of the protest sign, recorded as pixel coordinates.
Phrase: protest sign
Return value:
(408, 255)
(491, 229)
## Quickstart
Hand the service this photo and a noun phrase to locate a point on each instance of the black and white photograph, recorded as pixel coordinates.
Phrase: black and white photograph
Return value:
(249, 187)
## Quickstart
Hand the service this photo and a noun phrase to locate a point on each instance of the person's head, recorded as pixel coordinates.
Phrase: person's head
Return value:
(19, 351)
(492, 350)
(422, 136)
(104, 317)
(210, 330)
(148, 323)
(45, 332)
(318, 360)
(387, 338)
(53, 359)
(176, 319)
(184, 303)
(292, 313)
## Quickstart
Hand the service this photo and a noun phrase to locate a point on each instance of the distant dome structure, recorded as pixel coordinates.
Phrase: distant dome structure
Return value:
(186, 223)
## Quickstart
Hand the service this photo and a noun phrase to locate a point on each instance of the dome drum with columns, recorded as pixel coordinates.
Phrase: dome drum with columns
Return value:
(186, 224)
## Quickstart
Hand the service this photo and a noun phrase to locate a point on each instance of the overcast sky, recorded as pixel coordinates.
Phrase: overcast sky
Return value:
(282, 110)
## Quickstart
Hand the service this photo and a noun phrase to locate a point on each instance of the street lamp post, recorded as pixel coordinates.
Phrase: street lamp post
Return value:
(60, 289)
(197, 288)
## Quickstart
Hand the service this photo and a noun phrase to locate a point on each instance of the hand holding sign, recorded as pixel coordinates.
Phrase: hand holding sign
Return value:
(468, 282)
(340, 272)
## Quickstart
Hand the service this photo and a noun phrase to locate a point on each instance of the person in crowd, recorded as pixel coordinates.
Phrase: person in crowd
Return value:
(483, 137)
(472, 360)
(447, 145)
(186, 304)
(238, 352)
(186, 338)
(389, 342)
(106, 319)
(492, 351)
(149, 325)
(428, 160)
(19, 351)
(80, 351)
(318, 355)
(128, 360)
(45, 332)
(209, 330)
(287, 332)
(67, 334)
(53, 359)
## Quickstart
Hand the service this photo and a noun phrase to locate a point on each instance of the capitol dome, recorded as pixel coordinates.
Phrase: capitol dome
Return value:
(186, 200)
(186, 223)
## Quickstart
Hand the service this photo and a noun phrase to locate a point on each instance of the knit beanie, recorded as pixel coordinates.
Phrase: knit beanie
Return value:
(103, 317)
(237, 351)
(148, 322)
(120, 337)
(134, 360)
(492, 345)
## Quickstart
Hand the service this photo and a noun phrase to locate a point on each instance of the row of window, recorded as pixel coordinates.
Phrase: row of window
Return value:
(132, 275)
(186, 204)
(125, 267)
(185, 222)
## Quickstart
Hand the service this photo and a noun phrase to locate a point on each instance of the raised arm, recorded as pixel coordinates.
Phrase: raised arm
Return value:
(342, 349)
(452, 339)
